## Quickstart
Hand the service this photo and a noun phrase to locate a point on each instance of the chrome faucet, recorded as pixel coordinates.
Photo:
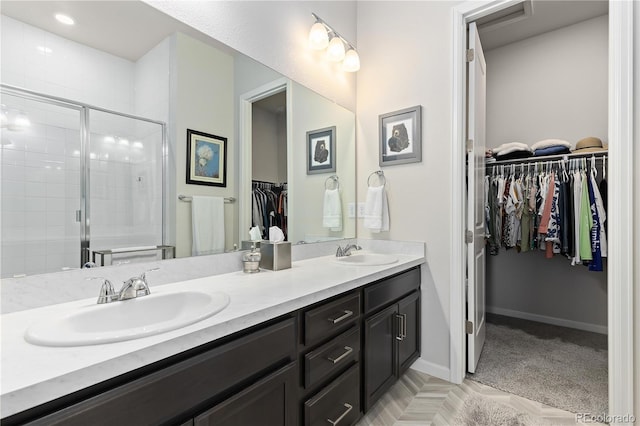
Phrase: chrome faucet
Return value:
(346, 251)
(132, 288)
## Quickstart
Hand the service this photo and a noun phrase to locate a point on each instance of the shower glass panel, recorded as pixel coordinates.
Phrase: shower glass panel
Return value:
(125, 191)
(41, 167)
(75, 179)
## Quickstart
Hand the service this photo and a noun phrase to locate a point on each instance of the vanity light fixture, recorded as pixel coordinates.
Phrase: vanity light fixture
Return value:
(137, 145)
(319, 40)
(123, 141)
(64, 19)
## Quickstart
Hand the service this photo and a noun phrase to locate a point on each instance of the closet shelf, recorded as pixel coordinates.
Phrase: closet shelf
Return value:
(598, 154)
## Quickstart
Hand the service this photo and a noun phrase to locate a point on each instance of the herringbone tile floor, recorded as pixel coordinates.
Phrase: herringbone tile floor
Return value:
(418, 399)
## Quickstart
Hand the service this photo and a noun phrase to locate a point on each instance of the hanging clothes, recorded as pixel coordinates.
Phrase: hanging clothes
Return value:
(555, 209)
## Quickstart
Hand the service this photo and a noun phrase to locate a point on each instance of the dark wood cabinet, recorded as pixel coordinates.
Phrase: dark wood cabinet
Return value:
(391, 332)
(409, 344)
(168, 396)
(337, 404)
(270, 402)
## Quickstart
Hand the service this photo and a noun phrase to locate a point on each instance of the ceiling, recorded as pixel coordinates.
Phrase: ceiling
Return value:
(129, 29)
(546, 15)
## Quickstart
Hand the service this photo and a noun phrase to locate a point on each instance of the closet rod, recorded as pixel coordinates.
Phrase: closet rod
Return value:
(188, 199)
(599, 156)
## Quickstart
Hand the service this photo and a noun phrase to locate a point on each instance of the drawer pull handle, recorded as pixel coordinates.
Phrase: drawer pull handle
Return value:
(342, 317)
(349, 407)
(400, 336)
(347, 349)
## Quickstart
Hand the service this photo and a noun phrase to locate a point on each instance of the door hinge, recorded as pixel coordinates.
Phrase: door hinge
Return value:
(471, 54)
(468, 327)
(468, 237)
(469, 145)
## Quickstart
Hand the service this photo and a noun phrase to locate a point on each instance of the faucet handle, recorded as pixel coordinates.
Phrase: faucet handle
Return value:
(143, 277)
(107, 293)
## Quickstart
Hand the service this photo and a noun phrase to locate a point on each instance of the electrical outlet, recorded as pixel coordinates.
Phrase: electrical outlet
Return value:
(351, 207)
(360, 209)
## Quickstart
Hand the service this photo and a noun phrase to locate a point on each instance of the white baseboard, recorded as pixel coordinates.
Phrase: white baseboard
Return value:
(602, 329)
(435, 370)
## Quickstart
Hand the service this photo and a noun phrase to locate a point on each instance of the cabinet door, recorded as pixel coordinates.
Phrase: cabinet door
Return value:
(409, 324)
(269, 402)
(380, 332)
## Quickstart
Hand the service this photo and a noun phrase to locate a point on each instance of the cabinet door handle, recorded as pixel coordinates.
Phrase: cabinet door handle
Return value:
(342, 317)
(347, 349)
(348, 407)
(400, 327)
(404, 324)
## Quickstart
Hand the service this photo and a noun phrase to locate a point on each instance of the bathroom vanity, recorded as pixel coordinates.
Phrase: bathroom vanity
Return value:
(315, 344)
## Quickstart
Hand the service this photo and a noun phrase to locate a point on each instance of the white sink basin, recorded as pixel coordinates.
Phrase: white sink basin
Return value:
(126, 320)
(367, 259)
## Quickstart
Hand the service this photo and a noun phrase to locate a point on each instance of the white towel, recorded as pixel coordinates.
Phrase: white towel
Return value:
(332, 210)
(207, 217)
(376, 210)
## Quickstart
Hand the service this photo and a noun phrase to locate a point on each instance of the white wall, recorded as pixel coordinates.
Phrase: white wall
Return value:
(306, 192)
(202, 91)
(275, 33)
(406, 66)
(550, 86)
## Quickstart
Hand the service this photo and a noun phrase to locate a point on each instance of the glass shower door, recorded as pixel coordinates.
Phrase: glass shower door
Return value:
(125, 175)
(40, 199)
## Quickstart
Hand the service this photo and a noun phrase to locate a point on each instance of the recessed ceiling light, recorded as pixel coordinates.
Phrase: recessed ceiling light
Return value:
(65, 19)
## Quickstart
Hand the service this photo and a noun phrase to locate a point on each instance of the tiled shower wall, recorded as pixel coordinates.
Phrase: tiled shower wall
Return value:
(41, 167)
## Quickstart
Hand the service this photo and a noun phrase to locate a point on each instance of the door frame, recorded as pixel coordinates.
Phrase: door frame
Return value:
(245, 116)
(620, 263)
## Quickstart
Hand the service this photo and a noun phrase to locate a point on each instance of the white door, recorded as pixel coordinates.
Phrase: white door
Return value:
(475, 200)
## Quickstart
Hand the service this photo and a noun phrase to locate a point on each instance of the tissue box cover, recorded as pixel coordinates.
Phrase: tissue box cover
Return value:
(275, 256)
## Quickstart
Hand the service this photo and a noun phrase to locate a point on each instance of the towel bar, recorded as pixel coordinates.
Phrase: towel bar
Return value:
(187, 199)
(380, 174)
(334, 179)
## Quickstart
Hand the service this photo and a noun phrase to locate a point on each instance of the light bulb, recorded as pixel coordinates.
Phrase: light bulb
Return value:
(335, 51)
(351, 61)
(318, 37)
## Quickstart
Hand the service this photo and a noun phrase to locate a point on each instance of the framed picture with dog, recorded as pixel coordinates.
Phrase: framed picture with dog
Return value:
(321, 151)
(401, 136)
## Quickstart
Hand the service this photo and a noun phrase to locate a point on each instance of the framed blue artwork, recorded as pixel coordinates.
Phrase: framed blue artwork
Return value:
(206, 159)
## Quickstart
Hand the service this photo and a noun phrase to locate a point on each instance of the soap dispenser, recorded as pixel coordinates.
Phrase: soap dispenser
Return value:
(251, 260)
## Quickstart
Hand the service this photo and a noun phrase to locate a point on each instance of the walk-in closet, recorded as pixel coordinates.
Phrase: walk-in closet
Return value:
(546, 306)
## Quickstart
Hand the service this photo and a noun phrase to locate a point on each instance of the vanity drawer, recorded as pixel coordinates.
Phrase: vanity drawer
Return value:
(332, 356)
(337, 404)
(327, 319)
(390, 289)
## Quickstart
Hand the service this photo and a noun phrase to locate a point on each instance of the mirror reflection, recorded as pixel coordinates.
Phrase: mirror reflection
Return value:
(67, 194)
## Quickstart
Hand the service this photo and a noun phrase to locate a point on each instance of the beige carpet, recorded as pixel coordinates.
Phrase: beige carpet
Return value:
(539, 366)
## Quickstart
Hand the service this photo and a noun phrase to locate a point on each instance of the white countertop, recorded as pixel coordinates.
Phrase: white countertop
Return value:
(33, 375)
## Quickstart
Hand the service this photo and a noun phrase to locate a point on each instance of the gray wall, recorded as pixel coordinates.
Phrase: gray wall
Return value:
(550, 86)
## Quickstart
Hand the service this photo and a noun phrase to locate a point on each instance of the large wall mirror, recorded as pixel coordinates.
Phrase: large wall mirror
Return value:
(124, 164)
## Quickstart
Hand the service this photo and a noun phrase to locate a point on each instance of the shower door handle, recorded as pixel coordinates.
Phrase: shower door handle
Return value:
(78, 216)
